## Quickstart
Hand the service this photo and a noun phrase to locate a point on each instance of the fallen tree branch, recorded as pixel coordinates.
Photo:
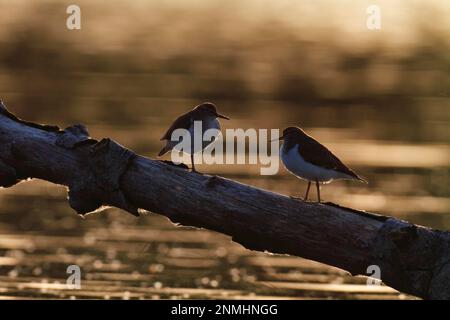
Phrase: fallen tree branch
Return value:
(412, 259)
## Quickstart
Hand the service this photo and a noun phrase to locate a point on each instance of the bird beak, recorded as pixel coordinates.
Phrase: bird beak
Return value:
(218, 115)
(280, 138)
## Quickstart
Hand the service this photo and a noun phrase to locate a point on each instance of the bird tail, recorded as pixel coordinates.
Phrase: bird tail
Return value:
(165, 149)
(361, 179)
(353, 176)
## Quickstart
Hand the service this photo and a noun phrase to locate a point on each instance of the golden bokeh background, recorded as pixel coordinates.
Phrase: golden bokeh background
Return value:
(380, 99)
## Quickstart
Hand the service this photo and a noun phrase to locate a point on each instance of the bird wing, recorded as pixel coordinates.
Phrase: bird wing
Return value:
(316, 153)
(182, 122)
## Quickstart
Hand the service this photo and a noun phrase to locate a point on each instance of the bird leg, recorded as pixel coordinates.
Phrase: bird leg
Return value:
(192, 163)
(307, 191)
(318, 191)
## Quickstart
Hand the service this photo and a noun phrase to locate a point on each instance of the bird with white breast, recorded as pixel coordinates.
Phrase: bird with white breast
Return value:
(309, 160)
(205, 113)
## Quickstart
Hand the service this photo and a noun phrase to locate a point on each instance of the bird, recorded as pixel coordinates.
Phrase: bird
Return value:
(205, 112)
(308, 159)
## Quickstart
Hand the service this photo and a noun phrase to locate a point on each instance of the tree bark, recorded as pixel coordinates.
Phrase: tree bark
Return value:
(412, 259)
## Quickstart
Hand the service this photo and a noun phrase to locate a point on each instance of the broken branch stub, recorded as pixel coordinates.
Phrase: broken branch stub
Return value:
(107, 163)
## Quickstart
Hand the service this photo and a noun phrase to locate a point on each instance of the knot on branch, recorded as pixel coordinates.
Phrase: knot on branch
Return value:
(395, 252)
(107, 162)
(392, 236)
(8, 175)
(73, 136)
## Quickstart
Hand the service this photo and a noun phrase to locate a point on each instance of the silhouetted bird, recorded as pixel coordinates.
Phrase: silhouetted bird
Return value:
(308, 159)
(207, 114)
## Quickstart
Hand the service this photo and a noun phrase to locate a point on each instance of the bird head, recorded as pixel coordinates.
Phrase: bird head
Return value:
(291, 132)
(208, 108)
